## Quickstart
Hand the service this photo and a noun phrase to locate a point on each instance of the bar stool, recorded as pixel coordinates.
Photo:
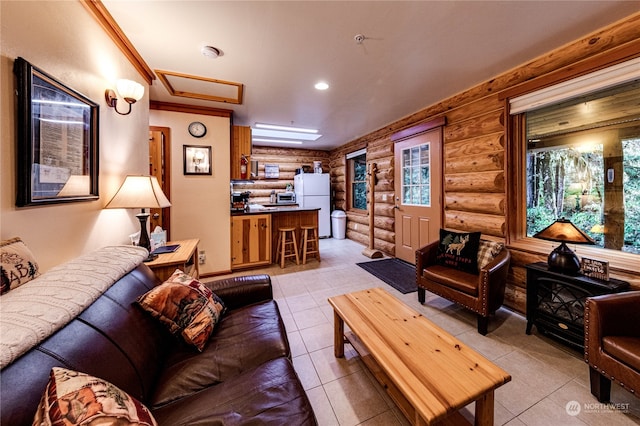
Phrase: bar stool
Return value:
(309, 243)
(284, 245)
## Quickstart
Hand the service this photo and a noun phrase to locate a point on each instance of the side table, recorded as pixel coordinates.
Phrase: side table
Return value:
(555, 301)
(185, 259)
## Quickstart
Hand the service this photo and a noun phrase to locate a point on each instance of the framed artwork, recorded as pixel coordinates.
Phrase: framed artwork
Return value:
(57, 140)
(271, 171)
(197, 159)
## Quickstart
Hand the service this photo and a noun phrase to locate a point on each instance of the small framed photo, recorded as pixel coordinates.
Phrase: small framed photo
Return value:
(197, 160)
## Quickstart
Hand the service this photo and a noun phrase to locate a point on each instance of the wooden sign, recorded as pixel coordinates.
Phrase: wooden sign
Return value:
(595, 268)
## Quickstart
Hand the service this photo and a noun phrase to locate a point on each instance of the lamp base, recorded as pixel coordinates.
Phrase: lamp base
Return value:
(563, 260)
(144, 235)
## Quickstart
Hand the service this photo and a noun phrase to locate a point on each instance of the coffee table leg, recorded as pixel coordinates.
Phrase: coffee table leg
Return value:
(484, 410)
(338, 335)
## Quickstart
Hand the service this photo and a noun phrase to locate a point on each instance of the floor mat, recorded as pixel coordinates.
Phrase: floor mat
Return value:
(395, 272)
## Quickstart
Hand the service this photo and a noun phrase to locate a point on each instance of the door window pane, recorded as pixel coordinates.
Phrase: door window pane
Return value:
(416, 177)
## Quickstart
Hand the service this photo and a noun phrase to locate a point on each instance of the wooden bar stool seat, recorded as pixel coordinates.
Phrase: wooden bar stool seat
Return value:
(287, 245)
(309, 244)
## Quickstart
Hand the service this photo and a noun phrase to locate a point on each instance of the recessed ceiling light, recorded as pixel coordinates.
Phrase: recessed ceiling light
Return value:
(321, 85)
(277, 141)
(210, 52)
(280, 134)
(285, 128)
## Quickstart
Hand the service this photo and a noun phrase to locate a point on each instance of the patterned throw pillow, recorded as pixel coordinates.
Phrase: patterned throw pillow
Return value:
(459, 250)
(73, 398)
(487, 251)
(17, 264)
(185, 306)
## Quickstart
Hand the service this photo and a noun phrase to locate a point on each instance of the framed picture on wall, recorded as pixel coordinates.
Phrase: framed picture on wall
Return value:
(57, 140)
(197, 159)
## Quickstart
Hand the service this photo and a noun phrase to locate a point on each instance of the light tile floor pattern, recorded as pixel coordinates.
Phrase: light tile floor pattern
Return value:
(546, 376)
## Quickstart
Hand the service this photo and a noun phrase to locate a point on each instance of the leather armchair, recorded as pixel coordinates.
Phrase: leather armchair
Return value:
(612, 342)
(482, 293)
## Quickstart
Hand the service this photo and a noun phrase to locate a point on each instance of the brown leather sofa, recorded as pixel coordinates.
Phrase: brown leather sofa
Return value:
(612, 342)
(482, 293)
(243, 376)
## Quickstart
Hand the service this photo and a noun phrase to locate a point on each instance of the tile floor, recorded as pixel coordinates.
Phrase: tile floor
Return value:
(546, 376)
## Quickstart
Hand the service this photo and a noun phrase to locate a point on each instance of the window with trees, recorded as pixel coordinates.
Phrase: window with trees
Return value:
(583, 164)
(416, 176)
(357, 180)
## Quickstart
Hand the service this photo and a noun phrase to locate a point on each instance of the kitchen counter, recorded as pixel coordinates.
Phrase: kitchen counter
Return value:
(254, 244)
(276, 208)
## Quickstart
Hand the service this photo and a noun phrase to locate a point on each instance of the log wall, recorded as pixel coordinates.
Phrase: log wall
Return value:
(476, 186)
(288, 160)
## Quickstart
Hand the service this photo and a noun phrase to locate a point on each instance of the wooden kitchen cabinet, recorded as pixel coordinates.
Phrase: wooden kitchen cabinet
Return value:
(240, 144)
(250, 240)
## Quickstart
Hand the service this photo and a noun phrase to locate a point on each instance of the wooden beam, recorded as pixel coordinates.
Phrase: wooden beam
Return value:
(104, 18)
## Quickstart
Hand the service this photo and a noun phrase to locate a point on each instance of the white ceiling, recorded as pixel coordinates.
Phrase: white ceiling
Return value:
(415, 53)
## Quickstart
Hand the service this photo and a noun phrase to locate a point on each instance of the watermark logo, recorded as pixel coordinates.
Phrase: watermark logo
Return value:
(573, 408)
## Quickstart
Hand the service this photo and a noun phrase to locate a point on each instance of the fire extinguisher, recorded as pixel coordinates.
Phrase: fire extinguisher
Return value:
(243, 167)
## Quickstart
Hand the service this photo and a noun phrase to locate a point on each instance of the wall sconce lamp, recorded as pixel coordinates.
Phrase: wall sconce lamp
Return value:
(562, 259)
(128, 90)
(140, 192)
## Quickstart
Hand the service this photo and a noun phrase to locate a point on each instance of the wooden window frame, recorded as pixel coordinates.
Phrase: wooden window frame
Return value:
(350, 182)
(517, 220)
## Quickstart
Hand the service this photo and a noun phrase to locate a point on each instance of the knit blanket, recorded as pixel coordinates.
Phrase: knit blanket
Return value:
(34, 311)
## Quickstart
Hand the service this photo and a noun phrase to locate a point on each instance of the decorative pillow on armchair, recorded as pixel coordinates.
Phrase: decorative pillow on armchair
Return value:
(185, 306)
(459, 250)
(487, 251)
(73, 398)
(17, 264)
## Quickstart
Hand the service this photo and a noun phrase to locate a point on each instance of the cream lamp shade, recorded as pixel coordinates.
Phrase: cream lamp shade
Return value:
(140, 192)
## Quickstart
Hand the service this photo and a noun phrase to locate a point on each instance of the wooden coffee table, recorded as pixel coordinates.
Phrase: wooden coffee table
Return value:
(427, 372)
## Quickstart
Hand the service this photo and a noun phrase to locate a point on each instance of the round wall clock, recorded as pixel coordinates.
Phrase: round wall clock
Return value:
(197, 129)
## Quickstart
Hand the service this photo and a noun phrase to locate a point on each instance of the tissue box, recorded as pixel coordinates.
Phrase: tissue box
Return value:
(158, 238)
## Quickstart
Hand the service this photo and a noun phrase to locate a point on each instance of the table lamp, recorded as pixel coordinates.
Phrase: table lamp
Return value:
(562, 259)
(140, 192)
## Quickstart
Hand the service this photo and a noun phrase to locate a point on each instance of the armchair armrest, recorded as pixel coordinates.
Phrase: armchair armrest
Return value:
(498, 268)
(426, 256)
(493, 280)
(242, 291)
(615, 314)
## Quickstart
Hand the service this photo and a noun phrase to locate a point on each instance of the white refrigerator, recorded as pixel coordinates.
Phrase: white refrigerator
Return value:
(312, 190)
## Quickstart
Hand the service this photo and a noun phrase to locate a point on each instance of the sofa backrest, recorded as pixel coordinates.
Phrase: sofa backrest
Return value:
(112, 339)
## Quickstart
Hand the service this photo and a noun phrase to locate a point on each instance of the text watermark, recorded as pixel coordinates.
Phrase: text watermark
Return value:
(574, 408)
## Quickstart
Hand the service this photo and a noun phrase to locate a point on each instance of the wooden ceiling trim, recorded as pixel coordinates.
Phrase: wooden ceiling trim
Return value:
(616, 55)
(104, 18)
(162, 76)
(190, 109)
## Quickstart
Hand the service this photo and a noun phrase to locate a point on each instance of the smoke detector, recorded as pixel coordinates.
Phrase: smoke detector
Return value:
(210, 52)
(359, 38)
